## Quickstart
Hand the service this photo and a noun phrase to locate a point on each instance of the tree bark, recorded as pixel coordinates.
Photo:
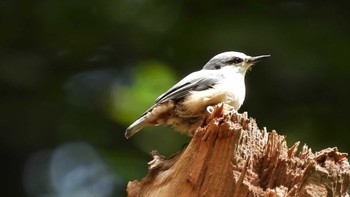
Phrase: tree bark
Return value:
(231, 156)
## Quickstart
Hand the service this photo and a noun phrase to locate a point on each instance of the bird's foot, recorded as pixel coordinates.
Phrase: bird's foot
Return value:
(210, 109)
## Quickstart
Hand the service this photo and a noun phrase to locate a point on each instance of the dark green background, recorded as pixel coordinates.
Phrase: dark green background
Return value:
(78, 72)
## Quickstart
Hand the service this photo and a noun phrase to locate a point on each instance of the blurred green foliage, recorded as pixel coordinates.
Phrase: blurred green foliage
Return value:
(149, 78)
(83, 70)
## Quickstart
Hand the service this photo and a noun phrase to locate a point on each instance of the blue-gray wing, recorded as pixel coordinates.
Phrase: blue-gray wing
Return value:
(200, 80)
(197, 81)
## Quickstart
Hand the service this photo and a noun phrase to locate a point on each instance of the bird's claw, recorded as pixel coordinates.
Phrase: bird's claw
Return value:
(210, 109)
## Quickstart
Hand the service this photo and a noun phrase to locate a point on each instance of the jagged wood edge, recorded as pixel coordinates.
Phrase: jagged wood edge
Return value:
(262, 163)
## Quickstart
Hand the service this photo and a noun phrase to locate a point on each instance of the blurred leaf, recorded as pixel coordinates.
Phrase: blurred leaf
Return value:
(150, 79)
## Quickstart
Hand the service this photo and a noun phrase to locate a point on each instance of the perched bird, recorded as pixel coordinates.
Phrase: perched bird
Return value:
(184, 106)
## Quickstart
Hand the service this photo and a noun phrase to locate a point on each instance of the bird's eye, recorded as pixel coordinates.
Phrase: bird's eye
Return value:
(217, 67)
(235, 60)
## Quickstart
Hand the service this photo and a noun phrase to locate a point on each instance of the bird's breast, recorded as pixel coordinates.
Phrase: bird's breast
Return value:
(229, 90)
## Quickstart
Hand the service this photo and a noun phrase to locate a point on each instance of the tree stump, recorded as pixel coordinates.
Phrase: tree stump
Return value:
(231, 156)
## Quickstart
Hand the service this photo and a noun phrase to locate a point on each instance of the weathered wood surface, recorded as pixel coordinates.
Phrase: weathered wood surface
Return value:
(231, 156)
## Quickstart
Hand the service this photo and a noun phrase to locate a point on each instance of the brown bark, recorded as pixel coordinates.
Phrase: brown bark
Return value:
(231, 156)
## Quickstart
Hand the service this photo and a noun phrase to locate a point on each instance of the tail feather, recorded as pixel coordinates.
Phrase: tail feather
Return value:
(135, 127)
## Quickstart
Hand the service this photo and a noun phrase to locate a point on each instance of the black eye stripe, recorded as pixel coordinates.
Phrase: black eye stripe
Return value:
(217, 67)
(235, 60)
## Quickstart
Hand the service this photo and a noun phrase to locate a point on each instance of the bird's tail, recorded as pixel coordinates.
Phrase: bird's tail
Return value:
(135, 127)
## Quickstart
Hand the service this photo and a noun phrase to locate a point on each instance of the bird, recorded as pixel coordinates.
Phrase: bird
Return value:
(185, 105)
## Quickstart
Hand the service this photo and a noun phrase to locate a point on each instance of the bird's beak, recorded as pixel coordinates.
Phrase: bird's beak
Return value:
(255, 59)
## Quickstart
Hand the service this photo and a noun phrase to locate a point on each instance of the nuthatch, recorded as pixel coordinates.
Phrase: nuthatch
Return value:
(184, 106)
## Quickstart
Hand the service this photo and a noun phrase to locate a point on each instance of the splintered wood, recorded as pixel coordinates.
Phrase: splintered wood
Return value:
(231, 156)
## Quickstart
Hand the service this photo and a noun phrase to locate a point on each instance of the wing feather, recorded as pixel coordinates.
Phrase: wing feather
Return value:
(200, 80)
(197, 81)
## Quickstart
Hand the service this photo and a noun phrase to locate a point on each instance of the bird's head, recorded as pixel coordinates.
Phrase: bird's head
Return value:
(239, 61)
